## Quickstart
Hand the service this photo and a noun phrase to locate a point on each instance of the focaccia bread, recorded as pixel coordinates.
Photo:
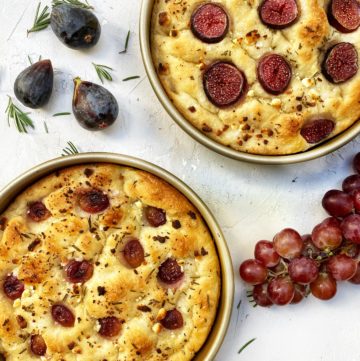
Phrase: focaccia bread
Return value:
(105, 262)
(263, 77)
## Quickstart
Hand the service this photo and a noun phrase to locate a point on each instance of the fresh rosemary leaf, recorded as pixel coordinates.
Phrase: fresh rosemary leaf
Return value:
(70, 150)
(131, 78)
(21, 119)
(46, 128)
(246, 345)
(126, 43)
(42, 19)
(80, 4)
(102, 72)
(61, 114)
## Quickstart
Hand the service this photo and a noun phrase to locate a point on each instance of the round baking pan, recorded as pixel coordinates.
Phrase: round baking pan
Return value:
(318, 151)
(215, 338)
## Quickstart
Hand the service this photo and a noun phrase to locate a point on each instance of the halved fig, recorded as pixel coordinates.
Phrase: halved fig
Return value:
(274, 73)
(210, 23)
(170, 272)
(278, 14)
(75, 27)
(317, 130)
(224, 84)
(62, 315)
(341, 63)
(34, 85)
(172, 320)
(38, 212)
(94, 107)
(93, 201)
(79, 271)
(134, 253)
(13, 287)
(344, 15)
(109, 326)
(37, 345)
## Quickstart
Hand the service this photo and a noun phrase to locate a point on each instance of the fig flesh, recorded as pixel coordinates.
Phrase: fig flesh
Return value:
(33, 86)
(75, 27)
(94, 107)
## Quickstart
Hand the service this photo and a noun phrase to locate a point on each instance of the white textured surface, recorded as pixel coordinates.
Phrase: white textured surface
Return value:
(251, 202)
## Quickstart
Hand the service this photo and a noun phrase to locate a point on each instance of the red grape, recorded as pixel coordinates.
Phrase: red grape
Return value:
(260, 295)
(62, 315)
(324, 287)
(309, 249)
(37, 345)
(338, 203)
(13, 287)
(266, 254)
(281, 291)
(300, 293)
(288, 243)
(351, 183)
(134, 253)
(109, 326)
(356, 163)
(342, 267)
(79, 271)
(327, 234)
(303, 270)
(252, 271)
(350, 249)
(356, 278)
(38, 212)
(356, 199)
(93, 200)
(155, 216)
(172, 320)
(170, 272)
(350, 227)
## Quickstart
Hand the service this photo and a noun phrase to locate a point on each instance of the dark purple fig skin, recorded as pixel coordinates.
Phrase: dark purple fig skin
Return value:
(75, 27)
(33, 86)
(94, 107)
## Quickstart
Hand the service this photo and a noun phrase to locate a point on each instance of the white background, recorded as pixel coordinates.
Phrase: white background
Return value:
(251, 202)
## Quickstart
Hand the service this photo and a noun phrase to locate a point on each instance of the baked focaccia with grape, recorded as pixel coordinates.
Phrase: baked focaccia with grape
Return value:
(268, 77)
(105, 262)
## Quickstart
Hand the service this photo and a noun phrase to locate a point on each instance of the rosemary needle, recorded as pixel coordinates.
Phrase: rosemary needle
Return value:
(246, 345)
(61, 114)
(22, 120)
(42, 19)
(46, 127)
(70, 150)
(131, 78)
(102, 72)
(83, 5)
(126, 43)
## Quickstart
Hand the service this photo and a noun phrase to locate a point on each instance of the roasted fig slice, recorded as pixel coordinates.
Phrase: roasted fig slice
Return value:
(94, 107)
(33, 86)
(75, 27)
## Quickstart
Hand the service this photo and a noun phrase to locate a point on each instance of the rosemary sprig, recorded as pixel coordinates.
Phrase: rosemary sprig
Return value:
(126, 43)
(131, 78)
(78, 3)
(42, 19)
(70, 150)
(246, 345)
(61, 114)
(102, 72)
(22, 120)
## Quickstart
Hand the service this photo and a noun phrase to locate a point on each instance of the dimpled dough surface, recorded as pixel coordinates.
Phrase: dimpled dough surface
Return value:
(261, 123)
(68, 234)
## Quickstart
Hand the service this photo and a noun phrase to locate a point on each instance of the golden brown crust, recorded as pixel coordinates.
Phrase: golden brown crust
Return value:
(37, 253)
(261, 123)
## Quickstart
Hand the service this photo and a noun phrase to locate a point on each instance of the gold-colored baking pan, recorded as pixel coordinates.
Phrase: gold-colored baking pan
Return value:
(316, 152)
(215, 339)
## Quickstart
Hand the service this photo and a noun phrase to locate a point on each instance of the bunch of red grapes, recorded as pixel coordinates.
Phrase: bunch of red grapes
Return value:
(292, 266)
